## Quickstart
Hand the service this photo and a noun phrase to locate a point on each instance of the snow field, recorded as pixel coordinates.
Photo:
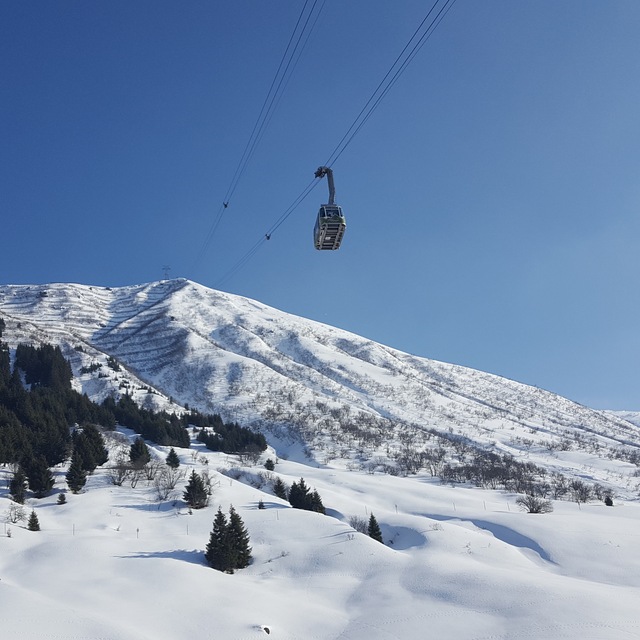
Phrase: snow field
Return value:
(459, 563)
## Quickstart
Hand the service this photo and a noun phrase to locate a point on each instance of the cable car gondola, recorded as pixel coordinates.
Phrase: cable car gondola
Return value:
(330, 223)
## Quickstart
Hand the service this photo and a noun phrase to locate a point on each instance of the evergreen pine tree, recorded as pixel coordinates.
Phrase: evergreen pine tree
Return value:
(41, 479)
(299, 495)
(280, 489)
(139, 453)
(373, 529)
(269, 465)
(95, 444)
(76, 476)
(172, 459)
(196, 493)
(315, 502)
(238, 541)
(83, 452)
(217, 552)
(62, 499)
(18, 486)
(34, 523)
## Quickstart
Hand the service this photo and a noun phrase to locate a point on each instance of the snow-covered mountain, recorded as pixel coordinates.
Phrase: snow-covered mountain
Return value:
(340, 395)
(123, 563)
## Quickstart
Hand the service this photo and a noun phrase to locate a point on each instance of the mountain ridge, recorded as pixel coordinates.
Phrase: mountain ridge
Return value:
(343, 396)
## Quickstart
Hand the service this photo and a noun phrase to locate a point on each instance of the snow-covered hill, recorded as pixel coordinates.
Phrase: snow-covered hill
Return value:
(114, 563)
(458, 562)
(342, 396)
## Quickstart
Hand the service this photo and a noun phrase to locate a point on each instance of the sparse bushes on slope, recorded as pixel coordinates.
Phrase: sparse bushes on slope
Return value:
(534, 504)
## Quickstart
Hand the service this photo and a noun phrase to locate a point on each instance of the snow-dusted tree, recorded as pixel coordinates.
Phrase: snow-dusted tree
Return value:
(196, 493)
(34, 523)
(172, 459)
(373, 529)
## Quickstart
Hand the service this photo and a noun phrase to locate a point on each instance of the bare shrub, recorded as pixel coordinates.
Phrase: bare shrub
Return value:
(165, 482)
(359, 523)
(534, 504)
(15, 513)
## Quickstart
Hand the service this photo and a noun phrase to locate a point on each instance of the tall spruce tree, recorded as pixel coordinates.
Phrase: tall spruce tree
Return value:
(218, 550)
(228, 547)
(96, 444)
(18, 486)
(196, 493)
(41, 479)
(238, 541)
(76, 476)
(373, 529)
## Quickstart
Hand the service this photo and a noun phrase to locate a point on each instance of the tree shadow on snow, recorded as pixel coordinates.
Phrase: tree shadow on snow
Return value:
(195, 556)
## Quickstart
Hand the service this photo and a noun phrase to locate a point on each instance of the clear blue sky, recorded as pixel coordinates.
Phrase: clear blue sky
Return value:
(492, 198)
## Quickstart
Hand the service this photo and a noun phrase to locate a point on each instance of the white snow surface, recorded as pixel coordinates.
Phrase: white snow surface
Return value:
(458, 562)
(114, 563)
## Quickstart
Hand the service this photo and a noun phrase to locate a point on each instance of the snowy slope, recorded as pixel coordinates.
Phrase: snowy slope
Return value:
(342, 396)
(458, 562)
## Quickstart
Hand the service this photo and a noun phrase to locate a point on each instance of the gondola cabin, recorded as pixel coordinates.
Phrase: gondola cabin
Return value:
(329, 228)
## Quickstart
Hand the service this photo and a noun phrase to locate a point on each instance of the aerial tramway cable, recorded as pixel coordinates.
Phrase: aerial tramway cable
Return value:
(427, 26)
(302, 29)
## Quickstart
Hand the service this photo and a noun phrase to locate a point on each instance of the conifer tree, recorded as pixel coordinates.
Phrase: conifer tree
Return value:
(18, 486)
(34, 523)
(139, 453)
(228, 547)
(96, 444)
(299, 494)
(83, 453)
(76, 476)
(172, 459)
(41, 479)
(238, 541)
(280, 489)
(374, 530)
(315, 502)
(218, 552)
(301, 497)
(196, 493)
